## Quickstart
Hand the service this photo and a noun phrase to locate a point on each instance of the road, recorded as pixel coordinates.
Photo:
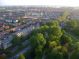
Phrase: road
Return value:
(21, 52)
(26, 42)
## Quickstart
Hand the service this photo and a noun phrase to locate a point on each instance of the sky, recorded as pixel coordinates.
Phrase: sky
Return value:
(70, 3)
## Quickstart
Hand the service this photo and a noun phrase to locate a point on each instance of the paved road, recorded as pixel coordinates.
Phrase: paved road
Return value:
(21, 52)
(26, 42)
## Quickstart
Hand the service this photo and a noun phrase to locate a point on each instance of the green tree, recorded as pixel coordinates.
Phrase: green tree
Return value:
(21, 56)
(53, 44)
(72, 24)
(54, 33)
(53, 23)
(39, 52)
(57, 52)
(64, 16)
(38, 39)
(75, 53)
(43, 28)
(65, 39)
(38, 42)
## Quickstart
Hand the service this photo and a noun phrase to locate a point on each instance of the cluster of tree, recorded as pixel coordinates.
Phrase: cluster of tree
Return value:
(21, 56)
(64, 16)
(72, 26)
(51, 42)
